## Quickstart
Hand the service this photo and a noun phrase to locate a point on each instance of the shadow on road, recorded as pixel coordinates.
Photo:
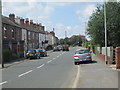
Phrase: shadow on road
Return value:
(88, 62)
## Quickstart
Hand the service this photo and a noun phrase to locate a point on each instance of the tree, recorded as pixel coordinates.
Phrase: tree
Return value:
(96, 25)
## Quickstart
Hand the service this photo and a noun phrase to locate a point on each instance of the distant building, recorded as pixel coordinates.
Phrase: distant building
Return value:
(82, 38)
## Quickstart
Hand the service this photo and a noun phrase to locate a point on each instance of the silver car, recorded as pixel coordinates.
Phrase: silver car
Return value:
(82, 55)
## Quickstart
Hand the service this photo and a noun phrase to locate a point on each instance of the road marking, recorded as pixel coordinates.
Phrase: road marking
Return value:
(41, 66)
(3, 82)
(57, 56)
(49, 61)
(77, 78)
(25, 73)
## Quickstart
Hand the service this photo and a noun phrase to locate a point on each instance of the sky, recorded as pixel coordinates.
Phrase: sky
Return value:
(62, 16)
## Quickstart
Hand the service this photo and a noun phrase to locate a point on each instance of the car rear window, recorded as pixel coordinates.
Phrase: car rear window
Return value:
(82, 51)
(31, 51)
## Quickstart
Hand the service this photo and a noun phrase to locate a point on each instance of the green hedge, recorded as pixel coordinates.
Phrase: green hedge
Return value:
(21, 54)
(7, 55)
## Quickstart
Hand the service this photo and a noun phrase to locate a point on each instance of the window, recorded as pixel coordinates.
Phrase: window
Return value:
(13, 35)
(36, 36)
(33, 35)
(5, 32)
(18, 34)
(28, 35)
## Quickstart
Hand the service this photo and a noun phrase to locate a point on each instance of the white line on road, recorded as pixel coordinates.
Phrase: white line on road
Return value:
(54, 58)
(25, 73)
(3, 82)
(41, 66)
(57, 56)
(49, 61)
(77, 78)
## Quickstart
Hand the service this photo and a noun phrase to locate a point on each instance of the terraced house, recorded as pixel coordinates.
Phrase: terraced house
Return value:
(20, 35)
(12, 38)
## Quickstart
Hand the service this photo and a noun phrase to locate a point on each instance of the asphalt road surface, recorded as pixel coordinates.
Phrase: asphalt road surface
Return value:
(58, 71)
(55, 71)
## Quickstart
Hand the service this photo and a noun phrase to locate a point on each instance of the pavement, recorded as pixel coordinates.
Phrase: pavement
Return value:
(97, 75)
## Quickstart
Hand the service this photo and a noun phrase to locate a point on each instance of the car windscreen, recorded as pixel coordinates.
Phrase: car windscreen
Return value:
(31, 51)
(40, 50)
(81, 52)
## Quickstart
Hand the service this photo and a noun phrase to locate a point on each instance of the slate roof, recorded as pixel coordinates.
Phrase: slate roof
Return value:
(6, 20)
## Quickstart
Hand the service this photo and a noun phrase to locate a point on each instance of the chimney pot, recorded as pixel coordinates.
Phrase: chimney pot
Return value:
(12, 17)
(22, 21)
(27, 21)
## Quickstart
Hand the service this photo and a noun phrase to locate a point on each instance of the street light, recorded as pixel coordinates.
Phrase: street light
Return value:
(85, 33)
(105, 31)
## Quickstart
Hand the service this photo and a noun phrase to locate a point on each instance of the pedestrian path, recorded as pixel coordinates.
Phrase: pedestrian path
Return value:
(97, 75)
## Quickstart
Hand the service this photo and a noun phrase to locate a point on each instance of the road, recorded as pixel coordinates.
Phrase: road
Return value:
(58, 71)
(55, 71)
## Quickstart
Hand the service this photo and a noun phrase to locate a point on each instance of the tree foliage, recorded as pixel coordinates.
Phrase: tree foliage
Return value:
(74, 40)
(96, 25)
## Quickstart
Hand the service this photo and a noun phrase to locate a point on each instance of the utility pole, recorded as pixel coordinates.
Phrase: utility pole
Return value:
(105, 31)
(85, 33)
(65, 37)
(1, 42)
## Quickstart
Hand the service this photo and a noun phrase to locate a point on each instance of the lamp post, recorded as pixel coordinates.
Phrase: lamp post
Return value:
(1, 42)
(105, 31)
(85, 34)
(65, 37)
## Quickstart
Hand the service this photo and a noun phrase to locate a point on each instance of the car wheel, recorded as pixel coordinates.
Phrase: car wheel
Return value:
(26, 57)
(75, 63)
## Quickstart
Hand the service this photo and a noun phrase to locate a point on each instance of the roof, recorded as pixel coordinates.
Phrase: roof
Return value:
(6, 20)
(32, 29)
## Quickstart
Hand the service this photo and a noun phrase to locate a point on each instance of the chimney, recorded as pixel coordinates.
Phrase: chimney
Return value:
(37, 26)
(12, 17)
(31, 23)
(52, 33)
(43, 28)
(21, 21)
(34, 25)
(27, 21)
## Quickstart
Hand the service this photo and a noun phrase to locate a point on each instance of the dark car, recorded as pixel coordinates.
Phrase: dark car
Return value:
(65, 48)
(57, 48)
(42, 52)
(32, 54)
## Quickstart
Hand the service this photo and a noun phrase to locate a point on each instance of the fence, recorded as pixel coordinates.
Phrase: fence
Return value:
(110, 53)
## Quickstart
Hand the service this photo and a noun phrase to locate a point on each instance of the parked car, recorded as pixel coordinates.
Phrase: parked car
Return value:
(65, 48)
(82, 55)
(42, 52)
(32, 54)
(57, 48)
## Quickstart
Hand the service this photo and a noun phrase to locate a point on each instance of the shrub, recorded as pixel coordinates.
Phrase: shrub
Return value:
(21, 54)
(7, 55)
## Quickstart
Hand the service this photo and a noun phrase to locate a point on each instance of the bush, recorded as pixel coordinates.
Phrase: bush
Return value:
(21, 54)
(7, 55)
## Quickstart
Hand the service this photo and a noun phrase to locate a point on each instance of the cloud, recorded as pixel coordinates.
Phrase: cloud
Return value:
(71, 30)
(89, 10)
(83, 15)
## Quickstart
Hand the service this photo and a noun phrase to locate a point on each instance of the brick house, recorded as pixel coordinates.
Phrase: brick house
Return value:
(32, 33)
(12, 35)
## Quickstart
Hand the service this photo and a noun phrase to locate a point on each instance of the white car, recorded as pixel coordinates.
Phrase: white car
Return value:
(82, 55)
